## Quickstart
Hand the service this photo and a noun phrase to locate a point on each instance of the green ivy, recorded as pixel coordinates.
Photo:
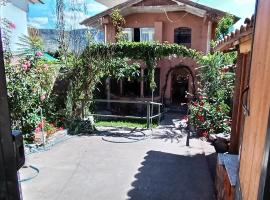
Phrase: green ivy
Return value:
(149, 52)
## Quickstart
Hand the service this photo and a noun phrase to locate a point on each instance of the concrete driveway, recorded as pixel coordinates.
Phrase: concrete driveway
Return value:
(144, 165)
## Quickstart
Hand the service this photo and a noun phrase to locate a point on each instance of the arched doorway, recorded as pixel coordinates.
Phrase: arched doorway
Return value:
(180, 85)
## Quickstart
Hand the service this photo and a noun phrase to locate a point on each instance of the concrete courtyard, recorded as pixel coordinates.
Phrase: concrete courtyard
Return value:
(123, 164)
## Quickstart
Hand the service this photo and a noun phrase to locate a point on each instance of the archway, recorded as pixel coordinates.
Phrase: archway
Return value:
(180, 72)
(179, 85)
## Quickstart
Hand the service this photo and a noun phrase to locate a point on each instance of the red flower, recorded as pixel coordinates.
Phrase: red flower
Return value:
(200, 118)
(41, 124)
(25, 67)
(38, 129)
(205, 133)
(195, 104)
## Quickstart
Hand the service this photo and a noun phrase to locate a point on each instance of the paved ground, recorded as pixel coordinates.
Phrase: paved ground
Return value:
(126, 164)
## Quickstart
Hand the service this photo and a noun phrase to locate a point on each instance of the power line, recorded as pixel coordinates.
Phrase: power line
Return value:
(172, 21)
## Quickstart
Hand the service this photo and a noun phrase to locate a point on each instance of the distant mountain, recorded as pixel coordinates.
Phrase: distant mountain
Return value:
(77, 39)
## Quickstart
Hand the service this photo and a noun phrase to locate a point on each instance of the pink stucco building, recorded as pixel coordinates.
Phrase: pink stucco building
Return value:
(175, 21)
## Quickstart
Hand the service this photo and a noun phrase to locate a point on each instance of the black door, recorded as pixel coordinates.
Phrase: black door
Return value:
(9, 187)
(179, 90)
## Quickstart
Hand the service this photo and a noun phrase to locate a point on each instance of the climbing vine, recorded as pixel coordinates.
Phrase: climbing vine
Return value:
(118, 22)
(149, 52)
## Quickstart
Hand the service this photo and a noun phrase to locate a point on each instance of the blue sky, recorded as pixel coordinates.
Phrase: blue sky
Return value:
(43, 16)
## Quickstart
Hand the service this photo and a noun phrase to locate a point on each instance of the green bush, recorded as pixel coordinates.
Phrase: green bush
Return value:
(29, 84)
(211, 112)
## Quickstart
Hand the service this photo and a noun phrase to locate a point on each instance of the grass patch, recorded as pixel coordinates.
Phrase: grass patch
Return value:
(124, 123)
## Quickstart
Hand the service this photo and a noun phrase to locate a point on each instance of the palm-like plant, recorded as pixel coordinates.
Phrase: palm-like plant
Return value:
(29, 45)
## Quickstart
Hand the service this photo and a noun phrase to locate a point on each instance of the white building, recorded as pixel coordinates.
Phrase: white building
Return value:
(15, 11)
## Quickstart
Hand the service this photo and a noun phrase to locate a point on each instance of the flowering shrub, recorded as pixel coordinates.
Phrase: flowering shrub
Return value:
(210, 118)
(211, 112)
(29, 83)
(47, 127)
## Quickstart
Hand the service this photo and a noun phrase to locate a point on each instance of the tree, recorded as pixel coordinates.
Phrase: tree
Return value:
(224, 26)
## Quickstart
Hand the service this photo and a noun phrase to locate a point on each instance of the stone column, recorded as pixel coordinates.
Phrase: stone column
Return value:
(105, 33)
(209, 34)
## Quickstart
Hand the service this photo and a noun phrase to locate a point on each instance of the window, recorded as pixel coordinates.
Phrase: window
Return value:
(139, 34)
(128, 34)
(182, 36)
(147, 34)
(136, 35)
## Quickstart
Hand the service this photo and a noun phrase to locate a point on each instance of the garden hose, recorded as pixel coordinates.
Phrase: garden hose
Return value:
(38, 149)
(31, 177)
(133, 140)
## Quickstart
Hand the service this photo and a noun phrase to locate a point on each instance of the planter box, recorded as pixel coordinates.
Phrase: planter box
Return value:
(226, 176)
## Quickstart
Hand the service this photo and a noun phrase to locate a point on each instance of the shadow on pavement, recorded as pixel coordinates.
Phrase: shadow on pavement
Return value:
(166, 176)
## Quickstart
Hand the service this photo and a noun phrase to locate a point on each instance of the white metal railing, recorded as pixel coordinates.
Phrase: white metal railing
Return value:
(149, 112)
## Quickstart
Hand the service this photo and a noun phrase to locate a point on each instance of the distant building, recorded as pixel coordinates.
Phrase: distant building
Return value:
(77, 39)
(15, 12)
(175, 21)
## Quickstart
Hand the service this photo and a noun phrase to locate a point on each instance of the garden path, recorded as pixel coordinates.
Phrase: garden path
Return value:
(124, 164)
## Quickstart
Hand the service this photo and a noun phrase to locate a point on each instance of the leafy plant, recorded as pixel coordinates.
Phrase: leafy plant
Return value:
(78, 126)
(224, 26)
(118, 22)
(30, 45)
(211, 112)
(29, 84)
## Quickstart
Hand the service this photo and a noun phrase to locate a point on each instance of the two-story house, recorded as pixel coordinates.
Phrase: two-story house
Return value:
(15, 12)
(175, 21)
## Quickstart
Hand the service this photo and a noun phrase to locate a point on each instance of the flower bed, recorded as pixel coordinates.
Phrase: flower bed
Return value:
(46, 130)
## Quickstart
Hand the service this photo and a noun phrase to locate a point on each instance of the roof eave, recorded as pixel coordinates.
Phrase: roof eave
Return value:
(211, 11)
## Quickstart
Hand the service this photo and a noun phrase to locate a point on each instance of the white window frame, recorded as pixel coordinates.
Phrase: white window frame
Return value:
(130, 33)
(147, 30)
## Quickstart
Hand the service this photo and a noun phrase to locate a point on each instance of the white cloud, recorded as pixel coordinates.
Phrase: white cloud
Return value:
(38, 22)
(95, 7)
(73, 19)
